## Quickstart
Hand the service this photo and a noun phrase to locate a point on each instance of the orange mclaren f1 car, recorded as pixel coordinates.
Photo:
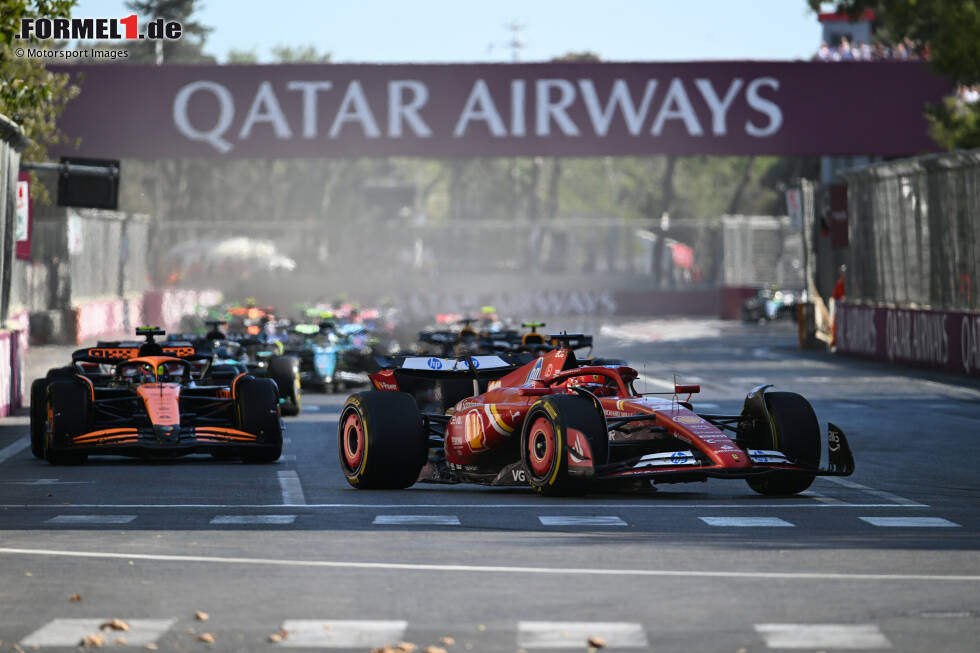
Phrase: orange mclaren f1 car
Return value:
(147, 400)
(563, 428)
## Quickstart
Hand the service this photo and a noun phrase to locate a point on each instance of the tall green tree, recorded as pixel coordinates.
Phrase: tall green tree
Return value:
(30, 94)
(189, 48)
(947, 33)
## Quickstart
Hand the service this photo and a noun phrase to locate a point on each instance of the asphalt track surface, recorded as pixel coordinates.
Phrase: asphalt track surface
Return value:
(886, 559)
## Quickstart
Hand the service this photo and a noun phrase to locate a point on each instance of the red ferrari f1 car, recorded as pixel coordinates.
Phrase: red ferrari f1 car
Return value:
(563, 428)
(150, 401)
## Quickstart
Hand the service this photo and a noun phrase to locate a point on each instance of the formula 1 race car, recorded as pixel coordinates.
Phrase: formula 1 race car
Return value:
(231, 356)
(146, 401)
(564, 428)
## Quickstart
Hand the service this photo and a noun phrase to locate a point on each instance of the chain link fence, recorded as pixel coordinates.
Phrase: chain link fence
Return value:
(761, 251)
(915, 232)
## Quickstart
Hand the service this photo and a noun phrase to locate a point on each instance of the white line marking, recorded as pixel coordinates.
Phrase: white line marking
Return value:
(698, 405)
(288, 458)
(292, 489)
(431, 520)
(15, 448)
(910, 522)
(745, 521)
(69, 632)
(311, 408)
(571, 520)
(47, 481)
(575, 634)
(451, 506)
(816, 496)
(902, 501)
(342, 634)
(254, 519)
(568, 571)
(822, 636)
(91, 519)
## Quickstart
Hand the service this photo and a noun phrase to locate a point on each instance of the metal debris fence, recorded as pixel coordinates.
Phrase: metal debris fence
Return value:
(915, 232)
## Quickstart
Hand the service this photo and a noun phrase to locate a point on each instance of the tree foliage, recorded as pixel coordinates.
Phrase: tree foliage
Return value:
(189, 48)
(947, 33)
(30, 94)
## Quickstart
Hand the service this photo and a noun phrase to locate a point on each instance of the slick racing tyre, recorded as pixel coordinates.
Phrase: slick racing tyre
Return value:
(39, 415)
(381, 442)
(67, 409)
(796, 433)
(544, 442)
(284, 370)
(257, 406)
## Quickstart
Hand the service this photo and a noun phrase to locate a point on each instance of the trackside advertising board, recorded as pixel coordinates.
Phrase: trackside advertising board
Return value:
(938, 339)
(446, 110)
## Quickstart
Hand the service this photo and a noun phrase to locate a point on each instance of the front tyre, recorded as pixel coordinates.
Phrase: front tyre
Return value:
(545, 445)
(257, 406)
(796, 433)
(284, 370)
(39, 413)
(67, 409)
(381, 442)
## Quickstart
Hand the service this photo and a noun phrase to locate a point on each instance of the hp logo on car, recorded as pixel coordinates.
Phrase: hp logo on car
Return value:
(434, 363)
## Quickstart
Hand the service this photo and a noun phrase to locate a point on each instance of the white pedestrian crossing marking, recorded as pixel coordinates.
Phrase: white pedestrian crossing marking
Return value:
(69, 632)
(253, 519)
(910, 522)
(591, 520)
(91, 519)
(427, 520)
(576, 634)
(292, 489)
(342, 634)
(823, 636)
(745, 521)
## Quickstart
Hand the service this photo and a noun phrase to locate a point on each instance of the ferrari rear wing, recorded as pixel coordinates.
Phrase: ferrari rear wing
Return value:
(433, 367)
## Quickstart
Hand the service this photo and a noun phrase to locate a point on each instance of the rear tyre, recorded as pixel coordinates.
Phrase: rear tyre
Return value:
(796, 433)
(381, 442)
(39, 415)
(284, 370)
(67, 409)
(257, 405)
(545, 445)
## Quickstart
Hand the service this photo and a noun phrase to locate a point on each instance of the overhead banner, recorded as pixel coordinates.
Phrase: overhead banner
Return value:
(561, 109)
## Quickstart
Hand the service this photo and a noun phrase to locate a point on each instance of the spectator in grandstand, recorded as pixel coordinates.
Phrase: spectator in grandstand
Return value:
(825, 53)
(843, 51)
(968, 94)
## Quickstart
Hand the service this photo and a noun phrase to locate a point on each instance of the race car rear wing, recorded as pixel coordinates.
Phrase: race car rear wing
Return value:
(433, 367)
(112, 353)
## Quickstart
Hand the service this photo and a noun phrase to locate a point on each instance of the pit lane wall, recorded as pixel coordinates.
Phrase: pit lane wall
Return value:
(945, 340)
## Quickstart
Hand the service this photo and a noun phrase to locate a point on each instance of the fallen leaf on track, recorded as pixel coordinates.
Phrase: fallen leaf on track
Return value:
(92, 641)
(201, 616)
(207, 638)
(114, 624)
(75, 597)
(597, 642)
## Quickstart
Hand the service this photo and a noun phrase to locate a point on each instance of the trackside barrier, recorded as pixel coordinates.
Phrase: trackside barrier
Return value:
(166, 307)
(941, 340)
